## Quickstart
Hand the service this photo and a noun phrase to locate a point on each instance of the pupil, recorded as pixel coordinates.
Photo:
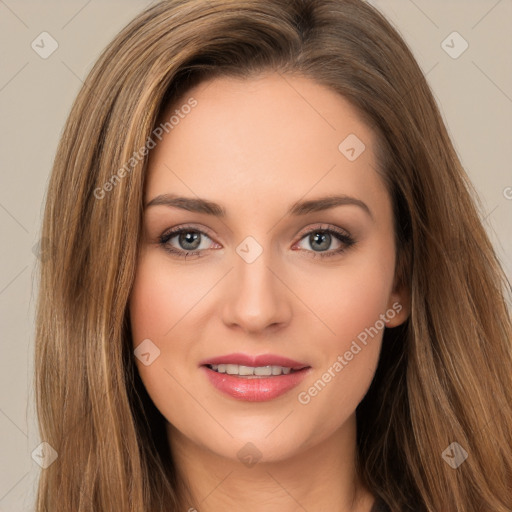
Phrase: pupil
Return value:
(189, 238)
(323, 239)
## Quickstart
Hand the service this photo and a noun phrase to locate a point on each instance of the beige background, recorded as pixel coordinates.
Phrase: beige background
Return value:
(474, 92)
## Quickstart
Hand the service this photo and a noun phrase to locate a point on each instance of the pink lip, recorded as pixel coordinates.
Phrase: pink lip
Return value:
(256, 389)
(261, 360)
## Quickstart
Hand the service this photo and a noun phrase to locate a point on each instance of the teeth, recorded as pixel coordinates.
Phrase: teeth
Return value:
(263, 370)
(232, 369)
(245, 371)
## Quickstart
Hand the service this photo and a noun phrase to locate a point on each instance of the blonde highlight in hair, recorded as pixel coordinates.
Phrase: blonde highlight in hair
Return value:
(444, 375)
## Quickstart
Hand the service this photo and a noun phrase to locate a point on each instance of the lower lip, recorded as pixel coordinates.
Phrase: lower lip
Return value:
(258, 389)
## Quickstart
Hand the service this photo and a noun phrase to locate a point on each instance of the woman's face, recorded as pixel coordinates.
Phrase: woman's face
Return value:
(269, 278)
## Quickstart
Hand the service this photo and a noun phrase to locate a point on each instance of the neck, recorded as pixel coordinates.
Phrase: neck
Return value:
(318, 477)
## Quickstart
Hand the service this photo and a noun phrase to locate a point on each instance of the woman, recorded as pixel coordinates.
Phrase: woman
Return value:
(193, 351)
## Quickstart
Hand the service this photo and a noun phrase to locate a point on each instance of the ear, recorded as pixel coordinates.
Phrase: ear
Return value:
(399, 305)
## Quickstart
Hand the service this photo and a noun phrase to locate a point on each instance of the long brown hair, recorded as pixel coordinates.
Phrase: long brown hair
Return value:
(444, 376)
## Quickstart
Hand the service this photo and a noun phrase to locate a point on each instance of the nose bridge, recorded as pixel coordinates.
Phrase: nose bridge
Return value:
(258, 298)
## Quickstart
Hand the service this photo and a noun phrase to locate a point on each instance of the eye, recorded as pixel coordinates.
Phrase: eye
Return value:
(186, 241)
(321, 238)
(189, 241)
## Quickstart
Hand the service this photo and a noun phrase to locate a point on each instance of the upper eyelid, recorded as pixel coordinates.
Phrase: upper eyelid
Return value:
(322, 226)
(190, 227)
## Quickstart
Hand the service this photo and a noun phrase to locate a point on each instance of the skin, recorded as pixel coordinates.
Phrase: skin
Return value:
(256, 147)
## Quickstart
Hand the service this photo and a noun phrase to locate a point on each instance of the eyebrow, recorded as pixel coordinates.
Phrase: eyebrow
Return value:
(199, 205)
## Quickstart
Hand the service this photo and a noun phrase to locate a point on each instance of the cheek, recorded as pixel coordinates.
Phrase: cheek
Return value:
(158, 302)
(350, 303)
(351, 298)
(154, 311)
(159, 298)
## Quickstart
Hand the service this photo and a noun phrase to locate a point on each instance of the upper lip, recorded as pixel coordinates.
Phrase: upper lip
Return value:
(255, 361)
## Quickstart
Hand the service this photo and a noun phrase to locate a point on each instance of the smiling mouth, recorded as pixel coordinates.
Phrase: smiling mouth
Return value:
(252, 372)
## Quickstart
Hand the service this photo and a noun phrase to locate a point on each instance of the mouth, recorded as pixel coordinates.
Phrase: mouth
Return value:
(254, 378)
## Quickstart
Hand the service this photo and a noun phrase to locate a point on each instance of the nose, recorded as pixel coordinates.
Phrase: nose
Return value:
(258, 299)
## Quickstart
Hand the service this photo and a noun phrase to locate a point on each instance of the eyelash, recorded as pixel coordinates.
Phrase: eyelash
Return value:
(341, 236)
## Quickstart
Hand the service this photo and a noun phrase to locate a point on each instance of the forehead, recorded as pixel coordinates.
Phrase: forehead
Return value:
(270, 135)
